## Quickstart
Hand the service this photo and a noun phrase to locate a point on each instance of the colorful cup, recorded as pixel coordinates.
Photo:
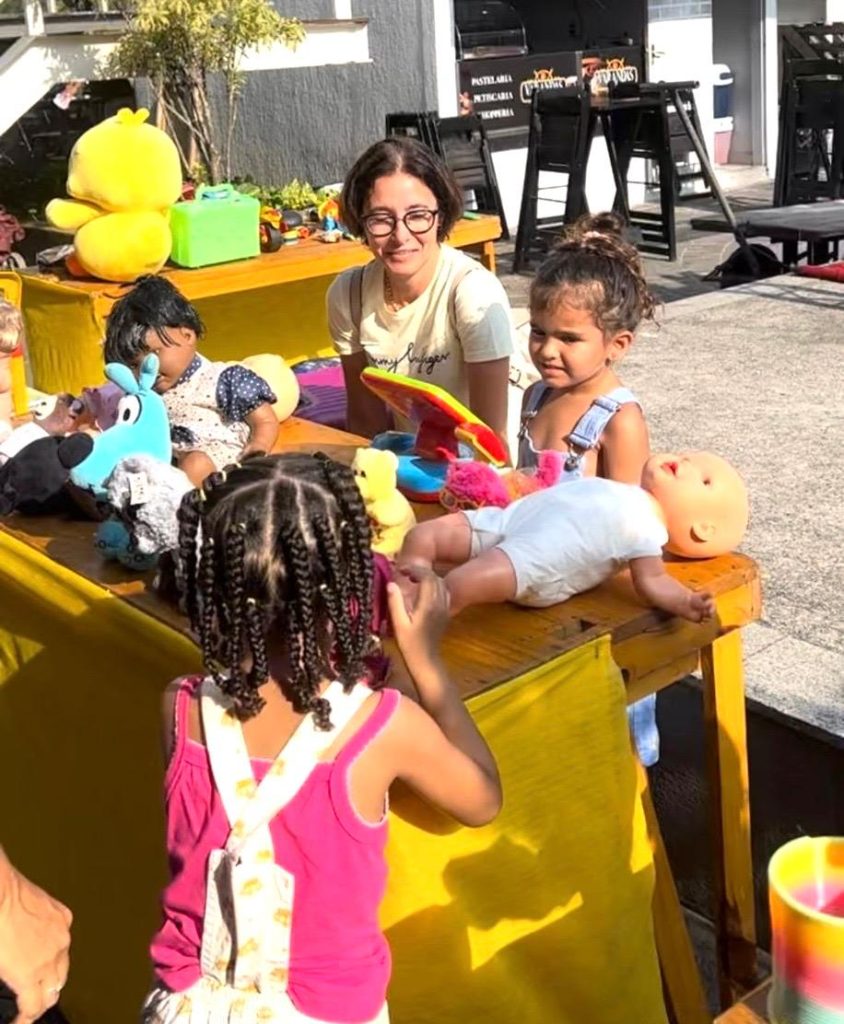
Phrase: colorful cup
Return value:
(806, 893)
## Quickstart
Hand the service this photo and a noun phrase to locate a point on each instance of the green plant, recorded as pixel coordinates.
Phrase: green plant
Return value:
(178, 44)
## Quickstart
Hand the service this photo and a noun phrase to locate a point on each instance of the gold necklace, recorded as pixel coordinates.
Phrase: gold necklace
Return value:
(389, 298)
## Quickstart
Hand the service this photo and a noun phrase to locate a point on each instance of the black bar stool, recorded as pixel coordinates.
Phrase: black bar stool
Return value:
(559, 141)
(463, 145)
(414, 124)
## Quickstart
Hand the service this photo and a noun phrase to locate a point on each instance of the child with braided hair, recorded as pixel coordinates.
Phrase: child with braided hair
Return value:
(280, 759)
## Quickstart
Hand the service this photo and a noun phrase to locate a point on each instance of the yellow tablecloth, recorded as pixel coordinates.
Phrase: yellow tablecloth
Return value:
(543, 916)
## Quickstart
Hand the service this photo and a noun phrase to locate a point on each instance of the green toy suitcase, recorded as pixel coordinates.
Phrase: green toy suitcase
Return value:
(219, 226)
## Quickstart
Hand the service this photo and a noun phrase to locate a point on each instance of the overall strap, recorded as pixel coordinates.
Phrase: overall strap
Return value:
(249, 806)
(534, 399)
(588, 429)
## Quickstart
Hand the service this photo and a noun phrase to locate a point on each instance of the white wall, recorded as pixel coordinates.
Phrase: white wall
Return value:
(681, 49)
(800, 12)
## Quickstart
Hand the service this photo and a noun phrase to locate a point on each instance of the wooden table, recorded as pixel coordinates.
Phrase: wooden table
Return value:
(275, 303)
(489, 645)
(818, 226)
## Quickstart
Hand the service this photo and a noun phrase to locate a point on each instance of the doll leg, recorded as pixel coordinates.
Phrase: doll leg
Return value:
(196, 466)
(447, 539)
(487, 579)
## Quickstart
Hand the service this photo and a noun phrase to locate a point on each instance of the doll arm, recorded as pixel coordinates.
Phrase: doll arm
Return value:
(263, 430)
(654, 585)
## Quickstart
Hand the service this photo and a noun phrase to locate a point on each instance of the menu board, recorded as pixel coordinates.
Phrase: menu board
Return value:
(499, 89)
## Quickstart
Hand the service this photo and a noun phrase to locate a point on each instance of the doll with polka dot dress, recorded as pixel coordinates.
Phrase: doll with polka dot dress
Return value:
(219, 413)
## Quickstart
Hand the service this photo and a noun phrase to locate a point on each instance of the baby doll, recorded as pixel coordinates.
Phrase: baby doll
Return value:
(218, 413)
(548, 546)
(11, 329)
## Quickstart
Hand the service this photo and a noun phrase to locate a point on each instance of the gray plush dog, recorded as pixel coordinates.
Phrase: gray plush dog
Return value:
(145, 494)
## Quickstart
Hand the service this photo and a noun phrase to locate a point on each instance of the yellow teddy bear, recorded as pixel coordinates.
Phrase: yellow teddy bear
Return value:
(388, 509)
(124, 175)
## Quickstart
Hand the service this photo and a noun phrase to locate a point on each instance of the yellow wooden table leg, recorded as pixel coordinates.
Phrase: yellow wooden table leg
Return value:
(680, 973)
(726, 763)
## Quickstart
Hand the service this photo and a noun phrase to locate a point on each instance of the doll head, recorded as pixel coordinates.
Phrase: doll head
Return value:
(703, 500)
(11, 327)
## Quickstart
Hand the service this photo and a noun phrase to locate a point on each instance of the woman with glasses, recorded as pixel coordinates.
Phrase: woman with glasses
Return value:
(420, 308)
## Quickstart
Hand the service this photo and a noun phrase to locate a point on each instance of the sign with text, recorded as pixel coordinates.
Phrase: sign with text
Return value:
(499, 89)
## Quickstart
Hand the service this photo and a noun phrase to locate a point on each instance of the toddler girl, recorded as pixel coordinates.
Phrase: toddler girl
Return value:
(281, 758)
(586, 301)
(218, 412)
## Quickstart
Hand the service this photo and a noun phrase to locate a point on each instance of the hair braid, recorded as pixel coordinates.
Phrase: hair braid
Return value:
(206, 605)
(257, 639)
(356, 543)
(308, 667)
(338, 596)
(186, 563)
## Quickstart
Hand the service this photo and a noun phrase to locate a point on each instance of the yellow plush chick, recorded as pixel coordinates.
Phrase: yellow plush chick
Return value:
(124, 175)
(388, 509)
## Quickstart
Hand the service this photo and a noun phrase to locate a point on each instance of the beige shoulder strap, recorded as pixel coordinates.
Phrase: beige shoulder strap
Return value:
(356, 299)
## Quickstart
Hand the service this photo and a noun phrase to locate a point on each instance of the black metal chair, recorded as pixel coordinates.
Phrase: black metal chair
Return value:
(463, 145)
(810, 153)
(559, 141)
(415, 124)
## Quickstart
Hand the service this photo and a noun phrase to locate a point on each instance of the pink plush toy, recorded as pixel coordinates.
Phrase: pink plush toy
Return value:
(476, 484)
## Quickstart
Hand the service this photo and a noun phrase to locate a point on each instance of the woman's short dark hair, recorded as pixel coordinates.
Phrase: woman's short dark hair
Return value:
(400, 154)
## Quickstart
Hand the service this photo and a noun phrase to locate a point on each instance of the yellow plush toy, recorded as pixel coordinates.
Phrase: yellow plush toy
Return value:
(388, 509)
(123, 176)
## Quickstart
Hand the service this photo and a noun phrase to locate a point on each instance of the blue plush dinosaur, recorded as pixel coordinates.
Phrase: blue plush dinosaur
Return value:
(142, 427)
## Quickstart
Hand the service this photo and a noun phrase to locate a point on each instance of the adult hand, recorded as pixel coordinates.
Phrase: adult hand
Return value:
(34, 943)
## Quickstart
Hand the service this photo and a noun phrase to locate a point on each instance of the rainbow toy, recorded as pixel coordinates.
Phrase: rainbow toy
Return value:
(446, 431)
(806, 892)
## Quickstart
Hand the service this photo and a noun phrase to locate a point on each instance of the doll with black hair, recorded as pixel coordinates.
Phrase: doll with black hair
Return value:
(281, 756)
(219, 412)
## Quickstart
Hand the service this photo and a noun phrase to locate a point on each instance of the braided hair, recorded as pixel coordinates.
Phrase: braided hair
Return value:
(281, 542)
(596, 268)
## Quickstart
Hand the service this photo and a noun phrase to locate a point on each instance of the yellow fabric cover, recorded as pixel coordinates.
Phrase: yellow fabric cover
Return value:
(66, 325)
(544, 916)
(541, 917)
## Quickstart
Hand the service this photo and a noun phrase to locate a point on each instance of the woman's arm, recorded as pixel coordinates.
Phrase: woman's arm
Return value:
(625, 447)
(489, 394)
(366, 414)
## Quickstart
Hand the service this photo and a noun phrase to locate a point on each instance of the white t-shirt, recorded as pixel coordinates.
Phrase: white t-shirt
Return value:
(570, 537)
(435, 336)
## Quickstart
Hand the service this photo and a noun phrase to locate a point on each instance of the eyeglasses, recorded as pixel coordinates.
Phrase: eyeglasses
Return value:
(417, 222)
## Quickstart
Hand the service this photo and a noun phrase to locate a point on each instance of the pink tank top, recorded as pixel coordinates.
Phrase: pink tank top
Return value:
(339, 958)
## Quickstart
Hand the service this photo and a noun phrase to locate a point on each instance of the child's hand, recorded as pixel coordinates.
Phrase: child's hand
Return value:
(701, 606)
(418, 605)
